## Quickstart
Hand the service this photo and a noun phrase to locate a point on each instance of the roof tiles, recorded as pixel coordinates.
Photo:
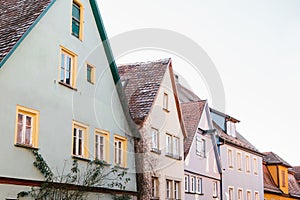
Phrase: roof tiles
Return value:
(141, 82)
(273, 159)
(16, 17)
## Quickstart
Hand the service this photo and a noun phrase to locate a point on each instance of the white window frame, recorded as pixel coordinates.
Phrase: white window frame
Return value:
(175, 144)
(199, 186)
(248, 195)
(154, 187)
(186, 183)
(193, 184)
(255, 166)
(79, 139)
(247, 163)
(240, 194)
(154, 139)
(168, 189)
(176, 190)
(165, 101)
(200, 146)
(230, 193)
(230, 158)
(169, 144)
(215, 189)
(256, 195)
(239, 160)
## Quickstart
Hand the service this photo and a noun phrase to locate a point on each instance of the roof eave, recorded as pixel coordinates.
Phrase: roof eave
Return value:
(3, 61)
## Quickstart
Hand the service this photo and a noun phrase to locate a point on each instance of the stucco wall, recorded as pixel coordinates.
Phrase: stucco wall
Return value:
(30, 78)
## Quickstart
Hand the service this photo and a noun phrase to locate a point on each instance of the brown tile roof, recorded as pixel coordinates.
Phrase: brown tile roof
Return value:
(269, 184)
(16, 17)
(294, 188)
(185, 95)
(239, 140)
(297, 172)
(141, 83)
(191, 112)
(273, 159)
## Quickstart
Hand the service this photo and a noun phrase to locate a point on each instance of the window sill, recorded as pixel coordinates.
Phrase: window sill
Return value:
(173, 156)
(120, 167)
(155, 150)
(91, 82)
(26, 146)
(66, 85)
(101, 162)
(166, 110)
(80, 158)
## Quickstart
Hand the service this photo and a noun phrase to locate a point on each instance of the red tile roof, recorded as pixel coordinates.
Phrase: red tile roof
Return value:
(294, 188)
(16, 17)
(141, 83)
(269, 184)
(297, 172)
(192, 112)
(273, 159)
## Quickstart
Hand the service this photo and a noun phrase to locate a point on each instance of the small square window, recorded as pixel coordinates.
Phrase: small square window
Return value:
(27, 127)
(90, 73)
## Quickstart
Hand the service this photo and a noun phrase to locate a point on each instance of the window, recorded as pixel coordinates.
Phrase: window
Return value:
(172, 146)
(154, 139)
(80, 132)
(120, 151)
(27, 127)
(256, 196)
(176, 189)
(215, 189)
(255, 166)
(169, 144)
(230, 163)
(186, 183)
(249, 195)
(77, 19)
(199, 185)
(90, 73)
(200, 147)
(230, 128)
(176, 147)
(240, 194)
(168, 189)
(165, 101)
(247, 163)
(154, 187)
(67, 67)
(102, 145)
(283, 178)
(239, 161)
(230, 193)
(192, 188)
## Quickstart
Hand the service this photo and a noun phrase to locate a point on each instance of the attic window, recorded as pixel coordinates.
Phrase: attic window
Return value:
(166, 102)
(77, 19)
(230, 128)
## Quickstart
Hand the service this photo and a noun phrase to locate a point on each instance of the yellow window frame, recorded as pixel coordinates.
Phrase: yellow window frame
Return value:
(85, 130)
(35, 115)
(73, 56)
(124, 150)
(105, 134)
(81, 8)
(93, 73)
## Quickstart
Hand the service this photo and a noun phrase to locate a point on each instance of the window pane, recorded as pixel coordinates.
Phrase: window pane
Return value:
(89, 74)
(74, 141)
(19, 128)
(76, 11)
(75, 27)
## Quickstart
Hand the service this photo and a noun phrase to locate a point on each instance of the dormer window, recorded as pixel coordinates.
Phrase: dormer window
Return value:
(230, 128)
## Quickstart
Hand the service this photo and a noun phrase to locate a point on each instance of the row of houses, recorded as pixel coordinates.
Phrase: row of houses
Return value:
(64, 97)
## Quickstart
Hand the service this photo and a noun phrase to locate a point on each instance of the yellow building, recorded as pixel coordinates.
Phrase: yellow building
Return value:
(279, 179)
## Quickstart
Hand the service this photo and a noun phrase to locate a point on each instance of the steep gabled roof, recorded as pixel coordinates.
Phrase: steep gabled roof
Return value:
(294, 188)
(239, 140)
(141, 82)
(16, 18)
(185, 95)
(192, 112)
(269, 184)
(273, 159)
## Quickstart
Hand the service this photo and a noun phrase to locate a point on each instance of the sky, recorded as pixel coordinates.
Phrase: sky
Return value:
(254, 46)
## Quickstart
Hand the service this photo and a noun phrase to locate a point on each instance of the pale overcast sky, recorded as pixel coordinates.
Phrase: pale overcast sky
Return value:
(255, 46)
